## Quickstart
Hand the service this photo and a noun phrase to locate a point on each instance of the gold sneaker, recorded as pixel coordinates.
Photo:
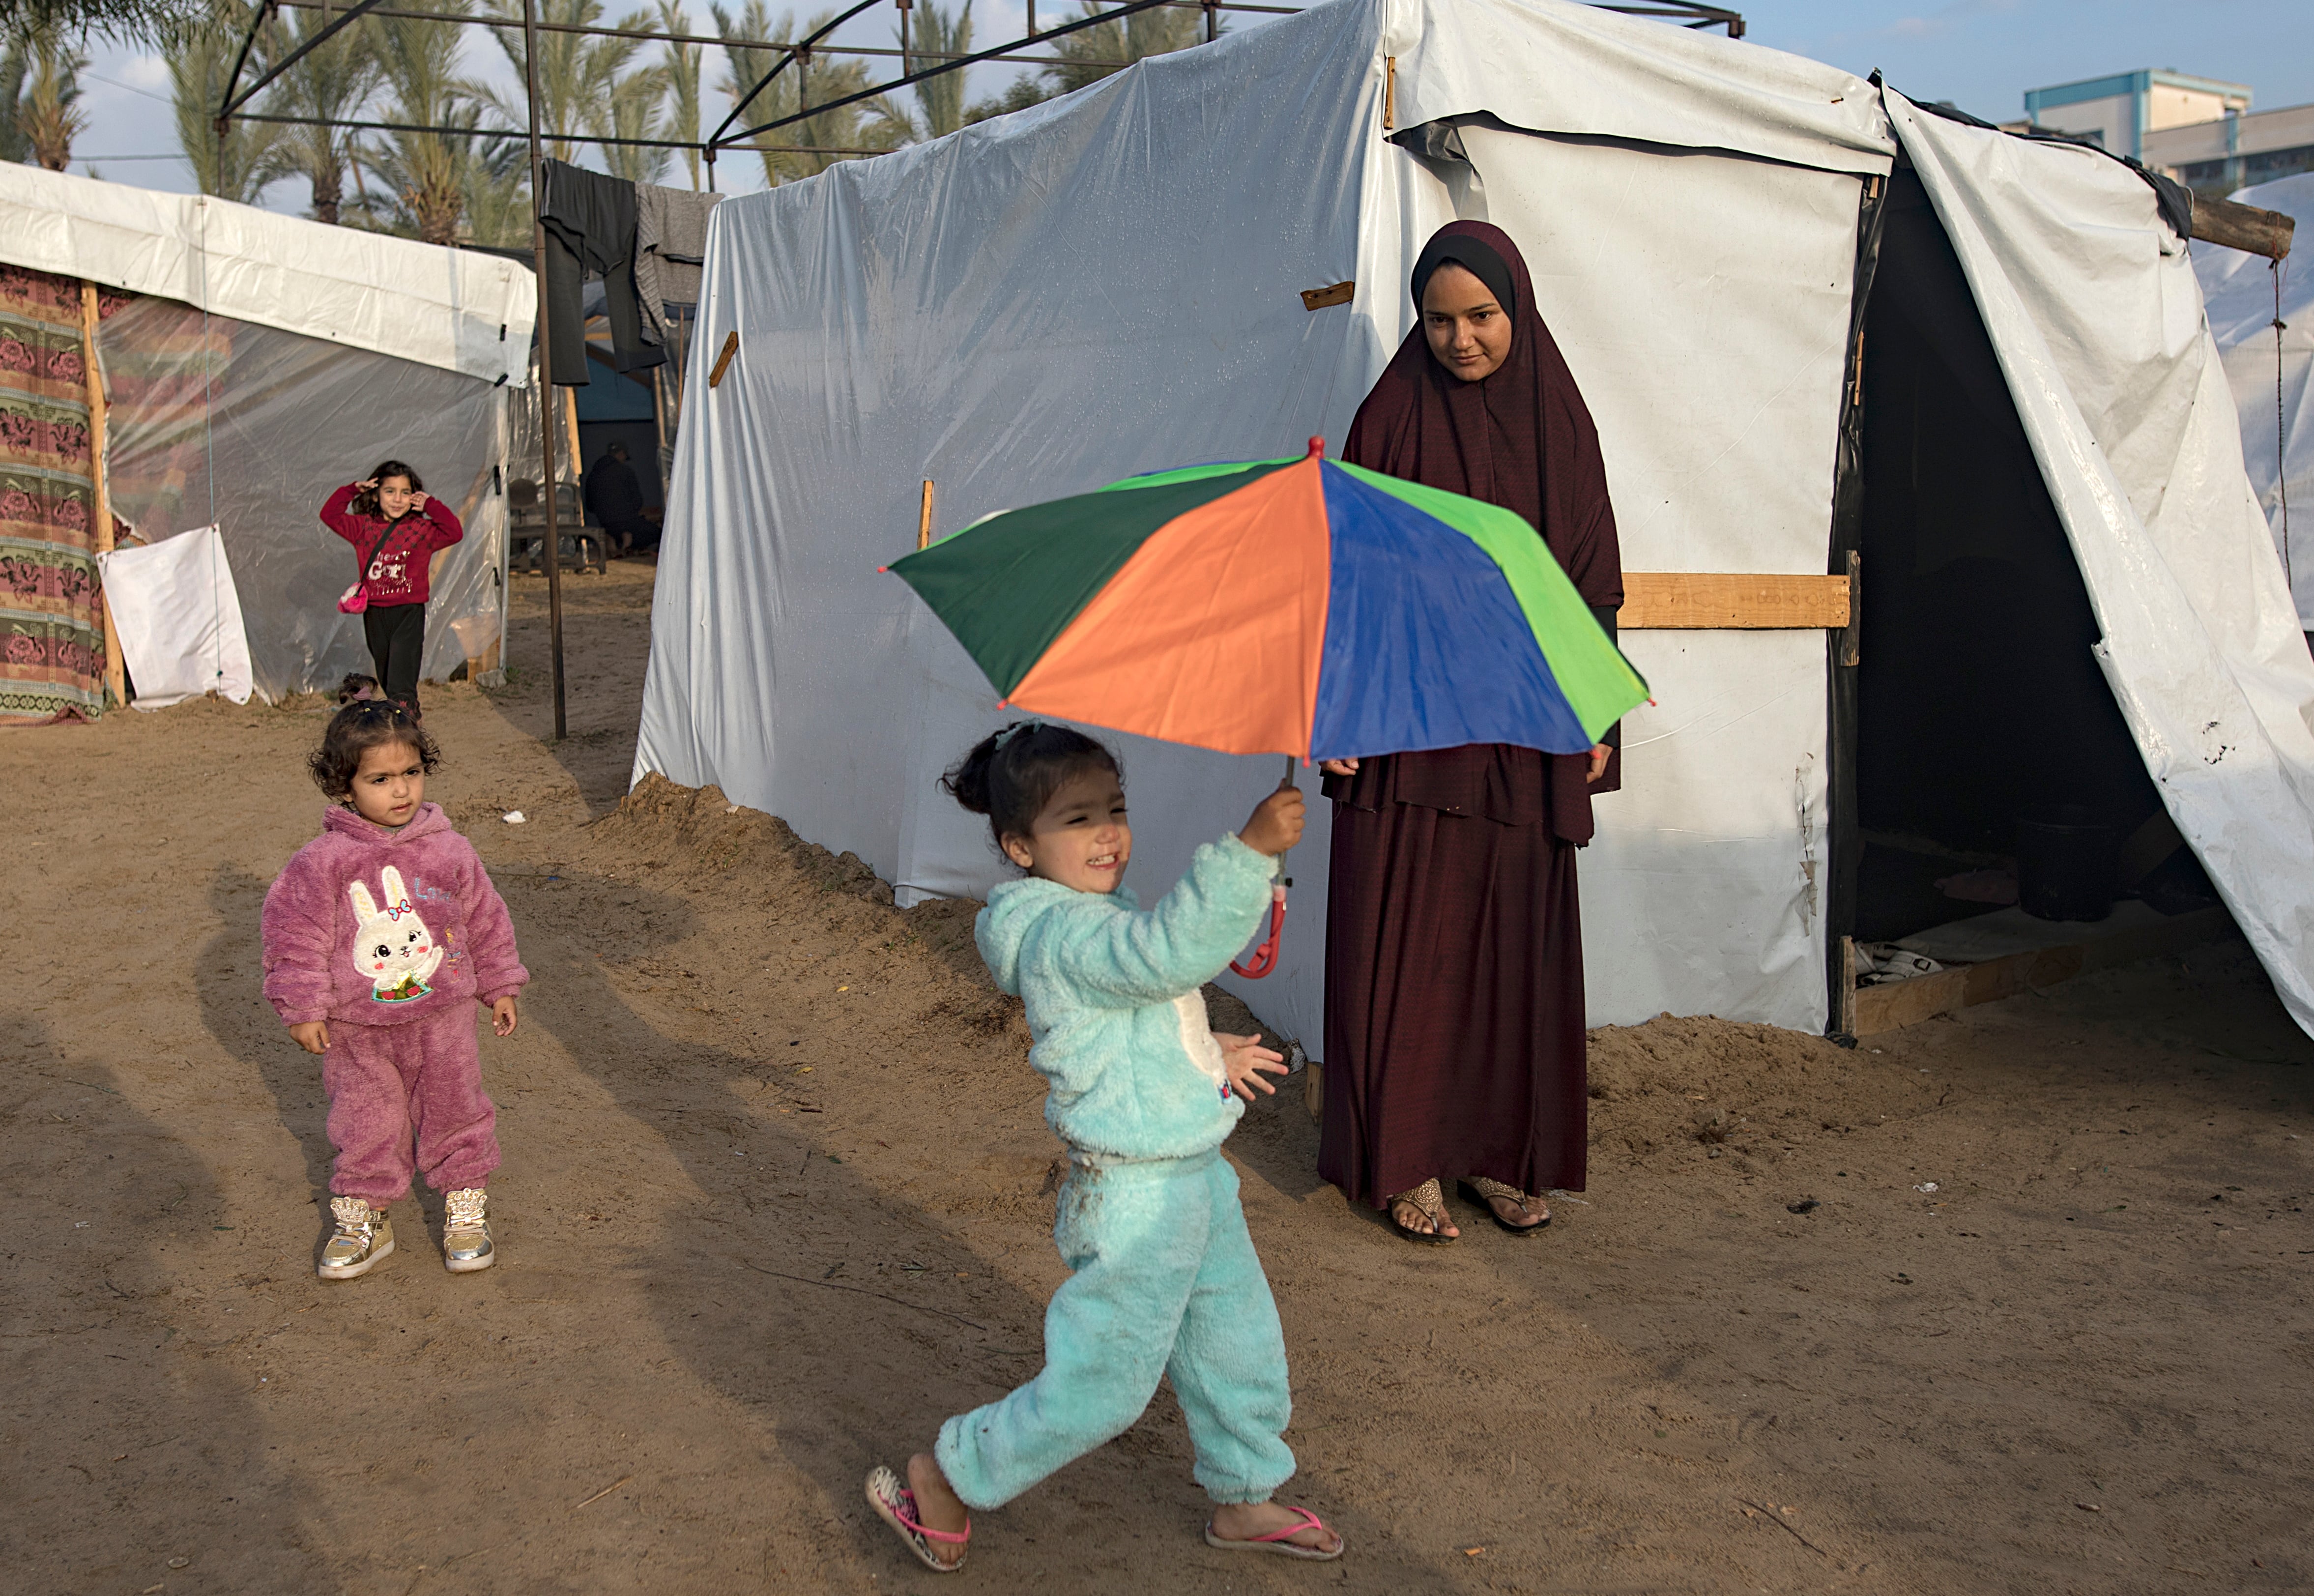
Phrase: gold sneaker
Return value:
(364, 1239)
(466, 1231)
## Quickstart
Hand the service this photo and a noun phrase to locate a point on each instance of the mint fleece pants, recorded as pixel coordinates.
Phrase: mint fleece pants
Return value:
(1165, 1283)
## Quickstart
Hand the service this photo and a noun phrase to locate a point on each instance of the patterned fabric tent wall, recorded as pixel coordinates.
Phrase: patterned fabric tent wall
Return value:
(51, 608)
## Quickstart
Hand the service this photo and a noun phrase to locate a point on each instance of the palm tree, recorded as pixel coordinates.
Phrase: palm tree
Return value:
(632, 112)
(1158, 31)
(239, 163)
(871, 124)
(331, 83)
(498, 194)
(123, 20)
(578, 72)
(1020, 94)
(424, 174)
(681, 63)
(47, 113)
(15, 62)
(940, 101)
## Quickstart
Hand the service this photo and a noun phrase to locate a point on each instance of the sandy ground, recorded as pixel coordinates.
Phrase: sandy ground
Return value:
(777, 1198)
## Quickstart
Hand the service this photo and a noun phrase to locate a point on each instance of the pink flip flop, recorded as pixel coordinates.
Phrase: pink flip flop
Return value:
(1279, 1542)
(896, 1504)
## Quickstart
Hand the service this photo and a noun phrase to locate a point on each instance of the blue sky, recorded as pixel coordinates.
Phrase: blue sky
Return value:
(1982, 55)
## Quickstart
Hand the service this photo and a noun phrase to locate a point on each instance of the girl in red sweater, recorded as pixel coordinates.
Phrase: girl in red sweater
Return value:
(397, 529)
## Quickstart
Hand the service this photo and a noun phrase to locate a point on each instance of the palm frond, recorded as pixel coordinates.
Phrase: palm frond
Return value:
(873, 125)
(239, 163)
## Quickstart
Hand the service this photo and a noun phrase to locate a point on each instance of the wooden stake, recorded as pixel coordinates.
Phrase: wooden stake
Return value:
(924, 518)
(1844, 1022)
(1389, 93)
(115, 673)
(731, 347)
(2243, 227)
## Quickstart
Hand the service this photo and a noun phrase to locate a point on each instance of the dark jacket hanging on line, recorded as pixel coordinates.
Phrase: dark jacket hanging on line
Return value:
(590, 231)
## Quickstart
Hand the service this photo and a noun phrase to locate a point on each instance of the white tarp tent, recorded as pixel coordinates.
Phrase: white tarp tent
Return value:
(1109, 284)
(2271, 370)
(266, 361)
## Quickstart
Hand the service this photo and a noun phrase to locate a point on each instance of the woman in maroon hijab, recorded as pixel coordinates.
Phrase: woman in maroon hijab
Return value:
(1454, 1032)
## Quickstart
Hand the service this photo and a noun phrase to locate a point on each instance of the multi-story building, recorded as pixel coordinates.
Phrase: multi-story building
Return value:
(2196, 129)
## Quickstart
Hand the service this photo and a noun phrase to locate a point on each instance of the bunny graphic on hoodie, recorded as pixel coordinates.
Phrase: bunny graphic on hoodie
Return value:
(371, 926)
(391, 946)
(392, 937)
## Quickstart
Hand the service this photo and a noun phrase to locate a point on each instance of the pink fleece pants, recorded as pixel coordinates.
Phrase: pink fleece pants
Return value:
(392, 1085)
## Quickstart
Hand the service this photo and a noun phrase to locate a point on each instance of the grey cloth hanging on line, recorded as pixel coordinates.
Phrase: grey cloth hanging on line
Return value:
(590, 231)
(670, 246)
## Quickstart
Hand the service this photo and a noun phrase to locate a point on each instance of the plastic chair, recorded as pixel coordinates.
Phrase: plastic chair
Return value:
(527, 526)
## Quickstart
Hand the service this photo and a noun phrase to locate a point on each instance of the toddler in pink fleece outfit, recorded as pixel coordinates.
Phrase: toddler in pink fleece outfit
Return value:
(377, 936)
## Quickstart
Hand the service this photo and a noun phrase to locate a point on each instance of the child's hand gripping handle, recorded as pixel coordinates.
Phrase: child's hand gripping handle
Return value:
(1275, 827)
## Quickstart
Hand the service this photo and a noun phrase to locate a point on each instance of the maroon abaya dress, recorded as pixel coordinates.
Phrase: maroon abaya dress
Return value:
(1454, 1022)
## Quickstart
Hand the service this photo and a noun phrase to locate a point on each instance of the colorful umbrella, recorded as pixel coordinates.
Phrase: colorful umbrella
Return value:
(1302, 607)
(1281, 606)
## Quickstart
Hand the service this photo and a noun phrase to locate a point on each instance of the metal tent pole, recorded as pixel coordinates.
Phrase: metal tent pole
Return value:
(547, 419)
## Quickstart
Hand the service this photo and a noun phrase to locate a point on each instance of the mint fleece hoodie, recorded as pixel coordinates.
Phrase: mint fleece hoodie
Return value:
(1114, 1001)
(367, 925)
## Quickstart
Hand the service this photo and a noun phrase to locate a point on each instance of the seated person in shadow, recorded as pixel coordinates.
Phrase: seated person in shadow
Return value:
(614, 499)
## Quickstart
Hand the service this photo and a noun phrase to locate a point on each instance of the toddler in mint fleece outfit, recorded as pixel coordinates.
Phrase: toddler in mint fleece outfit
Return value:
(1164, 1279)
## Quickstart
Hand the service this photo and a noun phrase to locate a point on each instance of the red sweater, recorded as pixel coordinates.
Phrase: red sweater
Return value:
(400, 572)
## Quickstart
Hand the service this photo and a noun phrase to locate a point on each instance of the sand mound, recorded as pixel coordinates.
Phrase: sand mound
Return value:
(1675, 1082)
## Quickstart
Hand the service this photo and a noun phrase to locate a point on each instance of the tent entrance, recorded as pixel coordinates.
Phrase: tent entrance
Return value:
(1977, 703)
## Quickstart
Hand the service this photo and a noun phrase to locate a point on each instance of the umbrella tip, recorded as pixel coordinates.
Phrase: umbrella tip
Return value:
(1317, 449)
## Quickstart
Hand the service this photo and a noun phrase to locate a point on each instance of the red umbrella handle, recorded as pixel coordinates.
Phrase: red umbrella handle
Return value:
(1264, 958)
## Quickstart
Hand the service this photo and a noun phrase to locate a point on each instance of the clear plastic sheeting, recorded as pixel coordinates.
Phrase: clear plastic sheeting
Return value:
(2124, 399)
(2273, 376)
(220, 422)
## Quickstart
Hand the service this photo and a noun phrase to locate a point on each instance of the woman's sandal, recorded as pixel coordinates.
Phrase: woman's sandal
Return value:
(1280, 1540)
(1432, 1202)
(896, 1504)
(1480, 1190)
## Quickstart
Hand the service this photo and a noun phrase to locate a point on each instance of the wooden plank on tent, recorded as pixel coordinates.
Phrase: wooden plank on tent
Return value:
(116, 671)
(731, 347)
(924, 518)
(2243, 227)
(1899, 1003)
(1709, 601)
(1318, 299)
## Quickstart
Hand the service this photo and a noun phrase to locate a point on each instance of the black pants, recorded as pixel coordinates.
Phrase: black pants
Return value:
(396, 634)
(590, 231)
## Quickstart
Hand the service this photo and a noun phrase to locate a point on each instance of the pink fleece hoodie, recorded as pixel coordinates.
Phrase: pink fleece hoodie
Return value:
(370, 926)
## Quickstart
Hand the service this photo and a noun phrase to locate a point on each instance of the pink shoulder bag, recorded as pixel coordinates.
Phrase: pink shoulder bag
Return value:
(354, 599)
